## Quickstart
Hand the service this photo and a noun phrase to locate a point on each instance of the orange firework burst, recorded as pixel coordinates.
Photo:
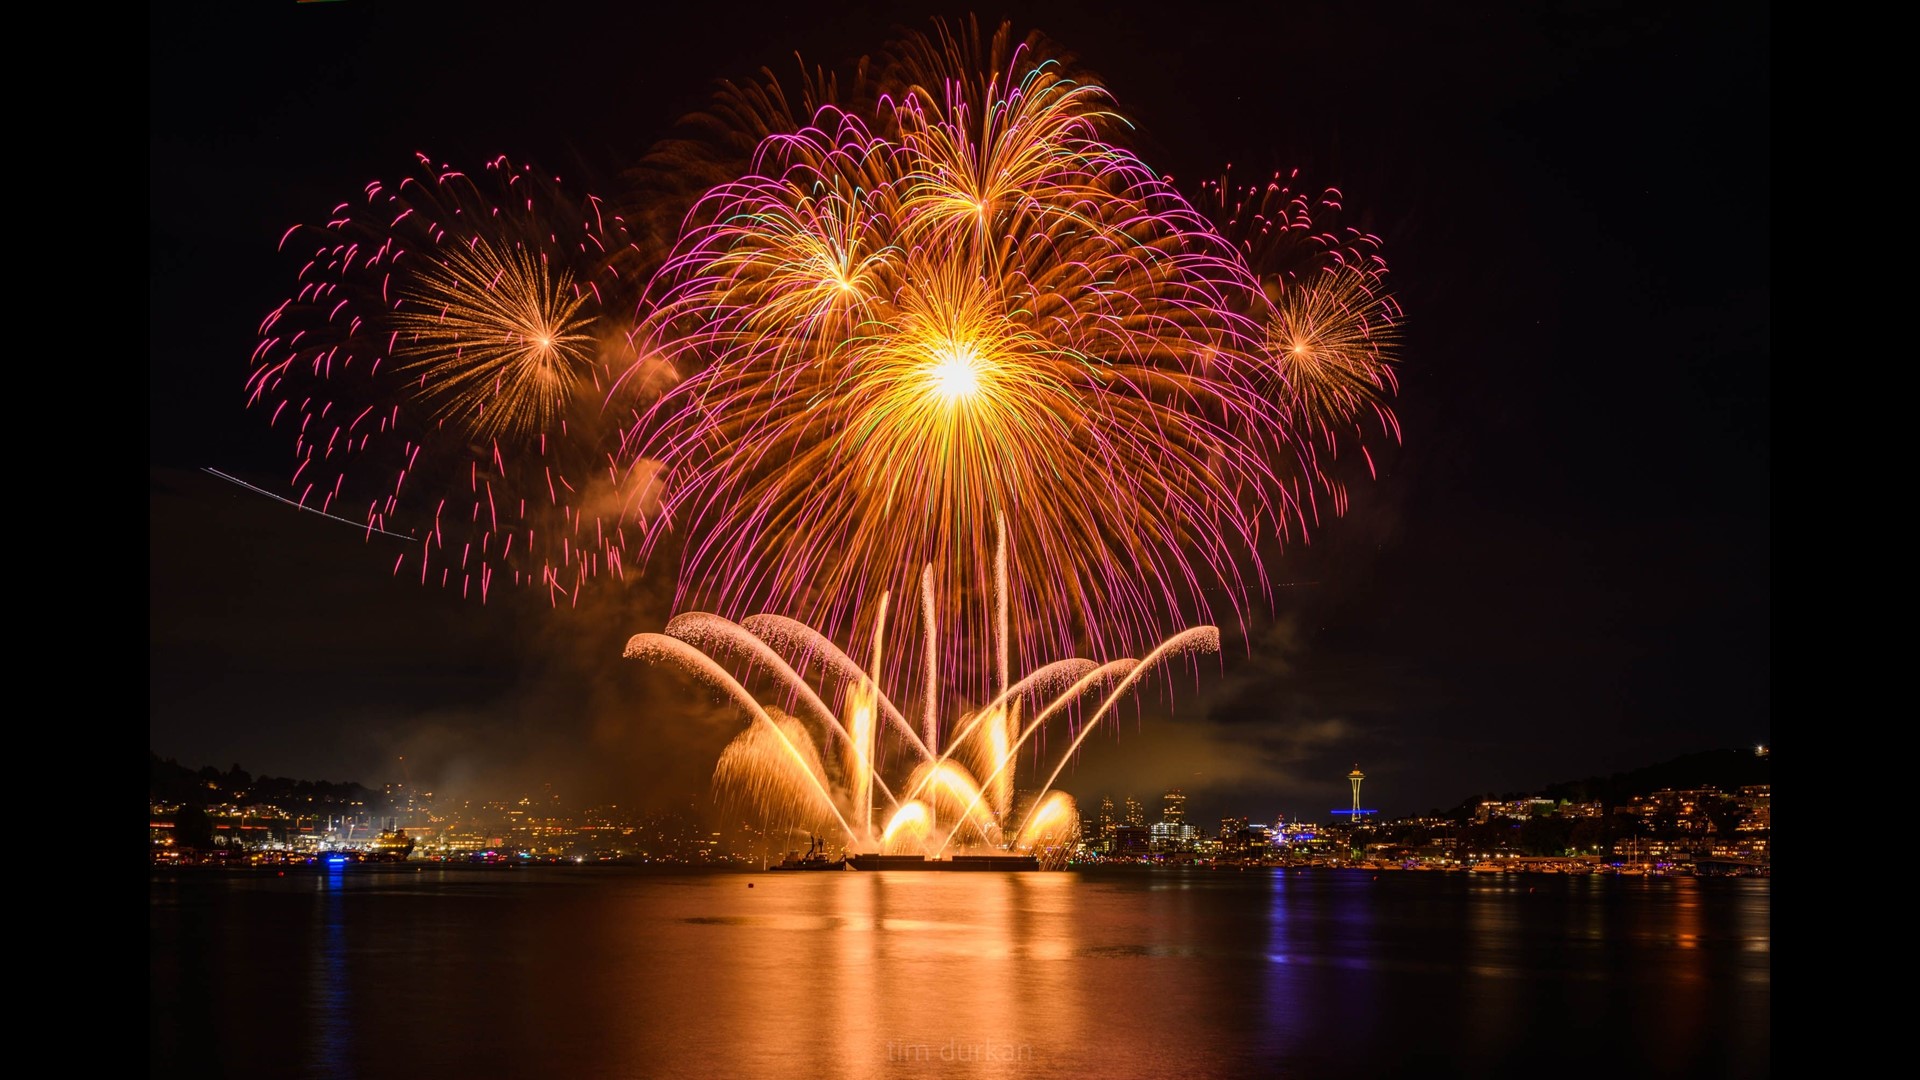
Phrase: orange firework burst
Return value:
(967, 305)
(1333, 336)
(496, 338)
(441, 370)
(1331, 328)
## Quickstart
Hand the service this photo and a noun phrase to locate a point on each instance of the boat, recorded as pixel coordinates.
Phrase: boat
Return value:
(814, 859)
(1003, 863)
(392, 845)
(871, 861)
(990, 862)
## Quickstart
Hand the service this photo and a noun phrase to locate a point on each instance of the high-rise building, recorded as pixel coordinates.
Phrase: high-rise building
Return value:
(1173, 836)
(1105, 820)
(1233, 834)
(1136, 814)
(1173, 807)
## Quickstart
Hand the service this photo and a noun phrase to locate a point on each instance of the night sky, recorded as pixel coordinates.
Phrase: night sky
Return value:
(1563, 571)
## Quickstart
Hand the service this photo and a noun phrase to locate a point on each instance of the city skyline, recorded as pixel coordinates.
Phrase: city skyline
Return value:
(1718, 826)
(395, 800)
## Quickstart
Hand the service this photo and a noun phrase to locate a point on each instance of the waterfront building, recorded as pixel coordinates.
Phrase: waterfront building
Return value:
(1171, 836)
(1516, 809)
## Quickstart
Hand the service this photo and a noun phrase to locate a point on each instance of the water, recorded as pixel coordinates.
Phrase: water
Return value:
(626, 972)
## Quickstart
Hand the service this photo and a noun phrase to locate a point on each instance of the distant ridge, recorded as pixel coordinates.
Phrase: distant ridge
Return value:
(1727, 769)
(170, 781)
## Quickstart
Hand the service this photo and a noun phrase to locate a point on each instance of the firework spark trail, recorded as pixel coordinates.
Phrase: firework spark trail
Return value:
(1195, 639)
(703, 630)
(860, 764)
(702, 666)
(944, 785)
(778, 630)
(993, 748)
(760, 765)
(1000, 770)
(1048, 676)
(909, 829)
(1000, 603)
(860, 754)
(930, 627)
(1051, 830)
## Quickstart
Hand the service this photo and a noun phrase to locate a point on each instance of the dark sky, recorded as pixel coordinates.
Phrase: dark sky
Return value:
(1564, 571)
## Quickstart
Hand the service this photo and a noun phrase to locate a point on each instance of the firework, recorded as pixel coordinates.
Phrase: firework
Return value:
(956, 788)
(716, 146)
(441, 370)
(901, 327)
(850, 329)
(495, 338)
(1332, 337)
(1331, 326)
(774, 768)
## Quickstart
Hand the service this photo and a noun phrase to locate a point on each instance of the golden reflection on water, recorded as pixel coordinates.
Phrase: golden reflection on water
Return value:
(871, 976)
(893, 974)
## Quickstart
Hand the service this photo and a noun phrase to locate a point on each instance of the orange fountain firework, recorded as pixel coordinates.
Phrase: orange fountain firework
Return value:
(825, 771)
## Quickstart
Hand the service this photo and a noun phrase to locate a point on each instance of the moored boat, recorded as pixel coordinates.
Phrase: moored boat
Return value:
(1005, 862)
(814, 859)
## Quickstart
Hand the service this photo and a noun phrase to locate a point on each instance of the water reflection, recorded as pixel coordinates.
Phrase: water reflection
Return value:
(1117, 974)
(331, 1025)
